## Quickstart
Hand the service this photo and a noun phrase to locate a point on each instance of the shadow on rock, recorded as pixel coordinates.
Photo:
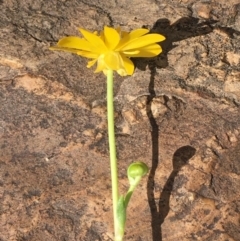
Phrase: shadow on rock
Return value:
(180, 158)
(159, 212)
(184, 28)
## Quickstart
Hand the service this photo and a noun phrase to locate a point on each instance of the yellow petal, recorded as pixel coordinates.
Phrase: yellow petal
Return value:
(73, 42)
(122, 72)
(102, 36)
(143, 41)
(148, 51)
(91, 63)
(118, 29)
(94, 40)
(111, 37)
(128, 37)
(75, 51)
(124, 34)
(100, 64)
(138, 33)
(128, 65)
(113, 60)
(131, 52)
(105, 71)
(87, 54)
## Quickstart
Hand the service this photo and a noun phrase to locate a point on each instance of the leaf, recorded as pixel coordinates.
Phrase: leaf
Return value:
(121, 215)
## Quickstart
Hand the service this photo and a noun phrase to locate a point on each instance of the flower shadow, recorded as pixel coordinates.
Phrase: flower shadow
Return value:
(184, 28)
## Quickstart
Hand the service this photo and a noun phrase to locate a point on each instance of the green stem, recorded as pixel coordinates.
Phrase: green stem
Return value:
(112, 149)
(129, 195)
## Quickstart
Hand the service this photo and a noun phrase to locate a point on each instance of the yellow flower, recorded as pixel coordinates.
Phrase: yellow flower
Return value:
(112, 48)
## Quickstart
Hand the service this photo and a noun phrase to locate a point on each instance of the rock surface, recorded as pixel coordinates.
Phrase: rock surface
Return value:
(179, 112)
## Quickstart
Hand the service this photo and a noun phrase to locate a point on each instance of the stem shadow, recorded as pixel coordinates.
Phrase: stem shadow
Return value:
(180, 158)
(184, 28)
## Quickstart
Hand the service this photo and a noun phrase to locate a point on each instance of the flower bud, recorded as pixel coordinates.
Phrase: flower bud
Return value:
(136, 171)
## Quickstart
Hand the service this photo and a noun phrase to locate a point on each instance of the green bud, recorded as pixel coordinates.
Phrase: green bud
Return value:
(136, 171)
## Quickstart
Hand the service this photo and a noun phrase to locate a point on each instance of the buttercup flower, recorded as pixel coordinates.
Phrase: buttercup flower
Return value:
(112, 48)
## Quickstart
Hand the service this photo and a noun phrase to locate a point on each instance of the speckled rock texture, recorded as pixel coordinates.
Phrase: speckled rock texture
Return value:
(179, 113)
